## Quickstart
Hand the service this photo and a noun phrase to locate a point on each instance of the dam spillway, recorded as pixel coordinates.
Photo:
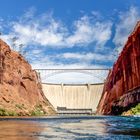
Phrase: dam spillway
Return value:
(73, 97)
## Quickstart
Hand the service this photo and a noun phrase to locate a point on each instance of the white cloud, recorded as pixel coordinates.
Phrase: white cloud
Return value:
(52, 65)
(46, 31)
(40, 61)
(43, 31)
(87, 32)
(1, 25)
(96, 14)
(34, 33)
(125, 26)
(88, 57)
(39, 32)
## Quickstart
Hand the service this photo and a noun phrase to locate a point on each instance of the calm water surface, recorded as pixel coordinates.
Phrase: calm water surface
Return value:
(71, 128)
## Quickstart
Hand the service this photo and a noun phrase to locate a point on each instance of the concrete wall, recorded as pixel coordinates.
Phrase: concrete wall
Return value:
(73, 96)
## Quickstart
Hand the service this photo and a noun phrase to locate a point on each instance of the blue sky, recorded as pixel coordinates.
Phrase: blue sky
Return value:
(68, 33)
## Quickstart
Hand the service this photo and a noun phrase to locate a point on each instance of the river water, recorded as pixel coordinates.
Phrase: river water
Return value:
(70, 128)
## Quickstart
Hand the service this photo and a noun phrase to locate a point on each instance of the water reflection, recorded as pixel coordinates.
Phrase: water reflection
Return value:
(72, 128)
(19, 130)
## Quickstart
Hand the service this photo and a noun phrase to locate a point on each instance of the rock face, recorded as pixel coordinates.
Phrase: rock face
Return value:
(20, 90)
(122, 86)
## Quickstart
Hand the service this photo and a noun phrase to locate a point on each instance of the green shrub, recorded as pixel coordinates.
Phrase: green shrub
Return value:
(136, 110)
(20, 106)
(4, 112)
(12, 113)
(38, 111)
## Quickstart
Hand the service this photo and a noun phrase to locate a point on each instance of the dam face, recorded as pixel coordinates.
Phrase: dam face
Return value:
(73, 97)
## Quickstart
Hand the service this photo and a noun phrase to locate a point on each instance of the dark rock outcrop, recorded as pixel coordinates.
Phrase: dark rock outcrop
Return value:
(126, 101)
(20, 90)
(122, 86)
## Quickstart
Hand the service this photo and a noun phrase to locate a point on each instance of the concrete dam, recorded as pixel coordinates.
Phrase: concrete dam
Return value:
(73, 99)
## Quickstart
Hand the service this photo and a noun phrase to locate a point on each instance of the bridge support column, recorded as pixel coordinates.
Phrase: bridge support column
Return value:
(62, 94)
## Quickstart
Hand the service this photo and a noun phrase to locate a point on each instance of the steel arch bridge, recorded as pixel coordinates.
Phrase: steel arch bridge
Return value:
(100, 74)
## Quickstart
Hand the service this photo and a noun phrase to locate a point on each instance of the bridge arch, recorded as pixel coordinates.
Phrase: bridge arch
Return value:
(99, 74)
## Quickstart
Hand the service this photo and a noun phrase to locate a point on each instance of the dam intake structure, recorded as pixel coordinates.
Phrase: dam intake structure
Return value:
(74, 98)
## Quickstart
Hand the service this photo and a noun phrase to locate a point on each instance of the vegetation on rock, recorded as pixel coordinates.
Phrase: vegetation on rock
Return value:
(38, 111)
(20, 106)
(133, 111)
(136, 110)
(4, 112)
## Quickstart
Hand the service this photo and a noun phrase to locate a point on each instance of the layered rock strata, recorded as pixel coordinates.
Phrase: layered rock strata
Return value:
(20, 89)
(122, 86)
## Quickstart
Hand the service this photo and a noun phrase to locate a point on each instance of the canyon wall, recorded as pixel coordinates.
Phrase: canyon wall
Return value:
(84, 96)
(20, 90)
(122, 87)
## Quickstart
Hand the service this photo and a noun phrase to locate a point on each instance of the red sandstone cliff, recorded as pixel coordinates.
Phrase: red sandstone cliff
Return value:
(122, 87)
(20, 90)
